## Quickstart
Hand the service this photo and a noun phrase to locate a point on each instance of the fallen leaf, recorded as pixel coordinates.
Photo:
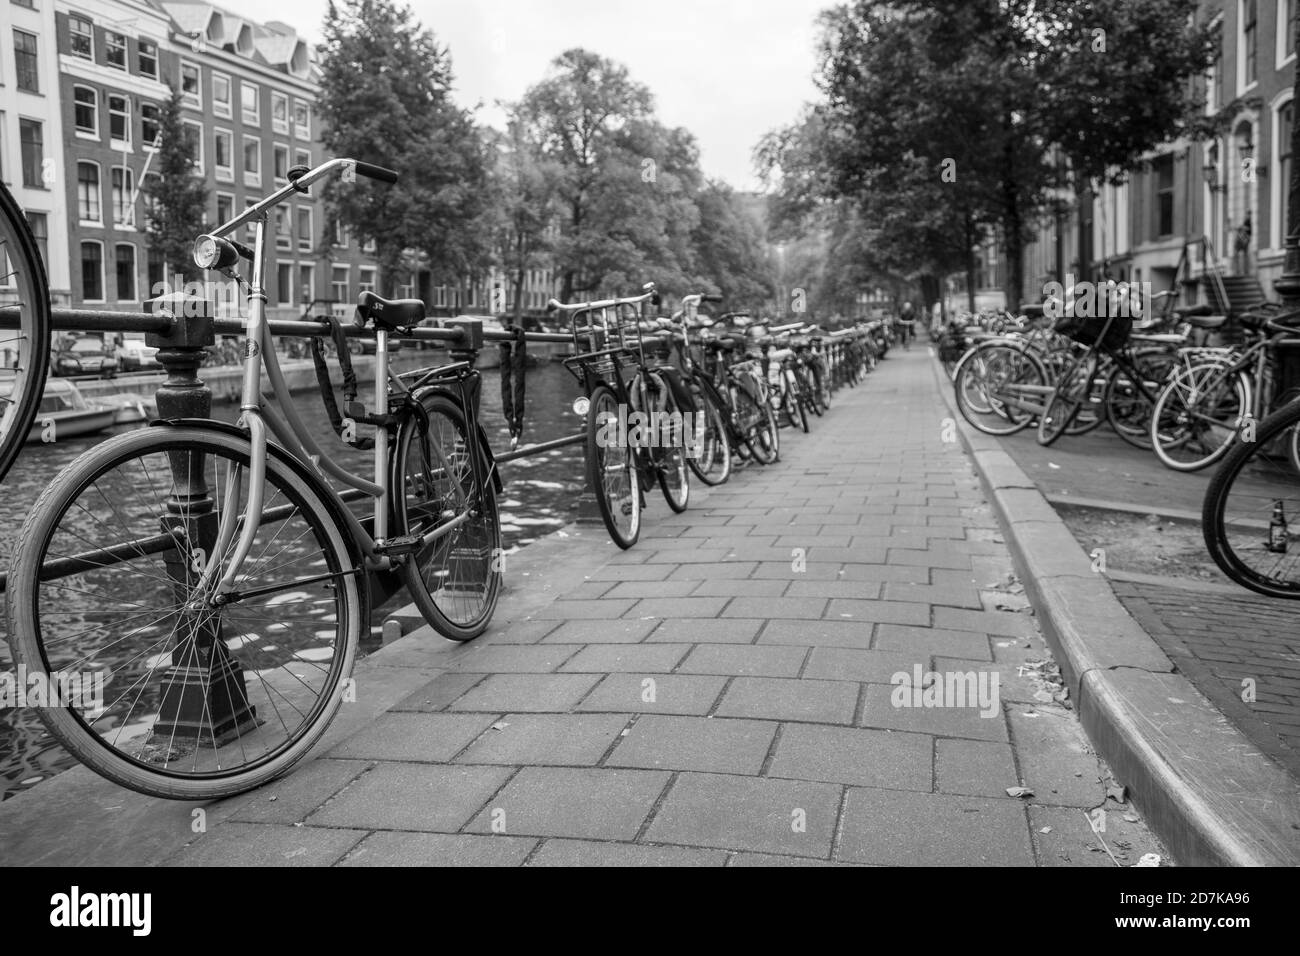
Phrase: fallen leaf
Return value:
(1149, 859)
(1019, 792)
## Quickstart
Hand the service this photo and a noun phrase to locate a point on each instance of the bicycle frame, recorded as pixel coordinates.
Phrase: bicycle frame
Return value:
(288, 428)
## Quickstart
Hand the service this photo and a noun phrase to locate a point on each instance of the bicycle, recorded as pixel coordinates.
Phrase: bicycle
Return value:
(733, 383)
(24, 348)
(228, 580)
(617, 383)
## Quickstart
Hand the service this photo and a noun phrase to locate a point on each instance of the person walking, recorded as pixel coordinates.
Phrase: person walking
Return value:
(906, 324)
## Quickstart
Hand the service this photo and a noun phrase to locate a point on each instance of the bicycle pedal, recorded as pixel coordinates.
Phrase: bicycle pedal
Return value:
(400, 545)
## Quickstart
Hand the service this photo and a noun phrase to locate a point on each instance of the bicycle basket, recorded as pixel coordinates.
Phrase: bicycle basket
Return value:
(1108, 333)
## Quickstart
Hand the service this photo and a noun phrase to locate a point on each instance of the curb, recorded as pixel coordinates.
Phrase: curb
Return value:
(1206, 790)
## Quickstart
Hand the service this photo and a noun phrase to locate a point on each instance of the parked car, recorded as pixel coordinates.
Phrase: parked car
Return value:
(84, 355)
(133, 354)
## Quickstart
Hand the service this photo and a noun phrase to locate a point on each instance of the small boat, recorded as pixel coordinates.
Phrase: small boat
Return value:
(129, 407)
(65, 413)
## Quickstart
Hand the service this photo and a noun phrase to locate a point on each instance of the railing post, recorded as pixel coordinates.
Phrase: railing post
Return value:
(204, 699)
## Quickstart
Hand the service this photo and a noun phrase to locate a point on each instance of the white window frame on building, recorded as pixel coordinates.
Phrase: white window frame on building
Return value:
(283, 278)
(302, 157)
(147, 52)
(135, 273)
(81, 42)
(306, 282)
(193, 97)
(252, 177)
(302, 130)
(1285, 31)
(198, 159)
(120, 197)
(31, 50)
(81, 259)
(90, 204)
(305, 242)
(367, 278)
(225, 173)
(1244, 82)
(78, 104)
(283, 228)
(280, 117)
(253, 116)
(340, 290)
(221, 108)
(115, 45)
(229, 214)
(1281, 181)
(120, 143)
(156, 122)
(280, 173)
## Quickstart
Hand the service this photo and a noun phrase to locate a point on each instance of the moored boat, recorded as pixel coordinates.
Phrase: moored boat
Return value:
(65, 413)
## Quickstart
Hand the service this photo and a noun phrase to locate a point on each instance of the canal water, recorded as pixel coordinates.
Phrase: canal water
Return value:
(541, 494)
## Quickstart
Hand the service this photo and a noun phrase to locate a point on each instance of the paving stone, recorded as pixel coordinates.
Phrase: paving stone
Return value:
(739, 587)
(926, 642)
(989, 622)
(812, 571)
(862, 590)
(874, 758)
(879, 711)
(936, 594)
(790, 608)
(511, 658)
(695, 743)
(856, 664)
(523, 632)
(258, 845)
(405, 796)
(669, 693)
(898, 828)
(439, 849)
(631, 572)
(1056, 760)
(716, 630)
(564, 610)
(599, 804)
(768, 859)
(428, 738)
(1071, 841)
(653, 589)
(974, 767)
(838, 633)
(290, 799)
(505, 693)
(789, 817)
(883, 612)
(601, 632)
(638, 658)
(681, 607)
(713, 572)
(543, 739)
(741, 659)
(769, 698)
(592, 853)
(439, 692)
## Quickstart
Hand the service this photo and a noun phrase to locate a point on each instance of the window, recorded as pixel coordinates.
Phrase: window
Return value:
(302, 157)
(249, 104)
(119, 120)
(223, 154)
(154, 269)
(115, 50)
(301, 119)
(1250, 40)
(280, 157)
(252, 160)
(194, 140)
(25, 62)
(284, 283)
(190, 89)
(250, 228)
(29, 4)
(225, 208)
(283, 230)
(92, 272)
(125, 260)
(32, 144)
(88, 199)
(305, 235)
(306, 284)
(40, 227)
(1285, 121)
(1289, 27)
(366, 282)
(83, 37)
(150, 117)
(279, 112)
(340, 234)
(122, 188)
(370, 247)
(147, 57)
(85, 110)
(339, 284)
(221, 94)
(1164, 207)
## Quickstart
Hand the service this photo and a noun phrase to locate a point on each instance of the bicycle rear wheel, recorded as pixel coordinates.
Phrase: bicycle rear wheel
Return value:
(611, 471)
(1067, 399)
(670, 458)
(711, 454)
(995, 382)
(188, 698)
(24, 349)
(758, 426)
(1129, 404)
(455, 580)
(1197, 414)
(1251, 514)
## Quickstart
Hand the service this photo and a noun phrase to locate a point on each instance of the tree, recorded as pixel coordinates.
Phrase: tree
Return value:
(729, 254)
(385, 98)
(524, 188)
(175, 198)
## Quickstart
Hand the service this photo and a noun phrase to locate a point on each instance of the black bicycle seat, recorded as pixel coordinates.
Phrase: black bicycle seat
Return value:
(388, 314)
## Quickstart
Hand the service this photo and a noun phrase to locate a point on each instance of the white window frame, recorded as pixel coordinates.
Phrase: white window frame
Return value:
(279, 286)
(310, 269)
(276, 148)
(199, 164)
(1281, 58)
(368, 284)
(121, 145)
(82, 133)
(1277, 188)
(280, 126)
(302, 132)
(257, 103)
(287, 235)
(225, 174)
(340, 238)
(99, 188)
(103, 283)
(37, 41)
(141, 56)
(109, 46)
(196, 99)
(135, 272)
(73, 34)
(128, 187)
(222, 110)
(250, 228)
(346, 297)
(302, 157)
(251, 177)
(220, 196)
(311, 228)
(1242, 86)
(145, 141)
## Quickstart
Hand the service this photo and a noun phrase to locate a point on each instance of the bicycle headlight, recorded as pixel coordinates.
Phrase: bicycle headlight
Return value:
(581, 405)
(213, 253)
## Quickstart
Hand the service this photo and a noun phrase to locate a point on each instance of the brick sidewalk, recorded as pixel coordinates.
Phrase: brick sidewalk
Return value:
(720, 694)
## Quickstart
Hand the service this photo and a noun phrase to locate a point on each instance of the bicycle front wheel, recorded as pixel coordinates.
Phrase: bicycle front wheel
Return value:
(454, 578)
(998, 386)
(1197, 414)
(24, 348)
(710, 451)
(1251, 516)
(611, 471)
(1067, 399)
(172, 691)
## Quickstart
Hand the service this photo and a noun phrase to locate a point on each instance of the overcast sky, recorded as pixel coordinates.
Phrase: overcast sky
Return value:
(727, 70)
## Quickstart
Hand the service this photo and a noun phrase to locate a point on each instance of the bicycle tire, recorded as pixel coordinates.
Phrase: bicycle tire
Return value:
(712, 463)
(1018, 368)
(1066, 399)
(760, 435)
(1126, 407)
(615, 483)
(1172, 429)
(671, 461)
(1240, 538)
(455, 581)
(37, 602)
(24, 352)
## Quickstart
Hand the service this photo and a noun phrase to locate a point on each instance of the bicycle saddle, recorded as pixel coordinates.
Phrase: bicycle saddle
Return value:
(388, 314)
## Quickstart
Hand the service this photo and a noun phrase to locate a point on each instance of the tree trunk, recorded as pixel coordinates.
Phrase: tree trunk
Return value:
(972, 276)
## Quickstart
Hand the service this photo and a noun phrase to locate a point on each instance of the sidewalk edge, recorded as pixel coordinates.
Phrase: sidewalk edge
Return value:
(1238, 812)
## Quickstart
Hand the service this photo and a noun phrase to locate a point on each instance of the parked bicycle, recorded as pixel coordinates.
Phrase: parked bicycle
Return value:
(216, 578)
